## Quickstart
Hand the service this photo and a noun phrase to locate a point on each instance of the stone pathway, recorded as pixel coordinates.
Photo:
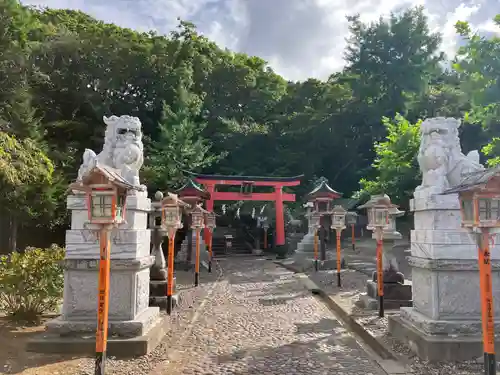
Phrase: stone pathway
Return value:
(260, 319)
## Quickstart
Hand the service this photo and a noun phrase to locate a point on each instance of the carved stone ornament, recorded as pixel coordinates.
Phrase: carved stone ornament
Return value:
(440, 156)
(123, 149)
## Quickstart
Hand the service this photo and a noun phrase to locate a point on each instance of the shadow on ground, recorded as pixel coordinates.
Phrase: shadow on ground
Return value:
(325, 347)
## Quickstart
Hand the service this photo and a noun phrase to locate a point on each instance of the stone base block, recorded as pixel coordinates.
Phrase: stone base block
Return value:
(370, 303)
(128, 329)
(392, 291)
(158, 288)
(446, 347)
(120, 347)
(161, 302)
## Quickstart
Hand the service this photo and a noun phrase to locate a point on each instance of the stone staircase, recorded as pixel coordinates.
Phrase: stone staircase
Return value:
(239, 247)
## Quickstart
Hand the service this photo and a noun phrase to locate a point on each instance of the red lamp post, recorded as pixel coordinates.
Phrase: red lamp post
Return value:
(197, 216)
(351, 220)
(106, 193)
(378, 220)
(338, 223)
(171, 221)
(210, 224)
(479, 196)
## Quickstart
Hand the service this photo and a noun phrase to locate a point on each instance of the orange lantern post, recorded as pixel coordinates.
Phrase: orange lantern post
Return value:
(314, 223)
(479, 196)
(197, 215)
(210, 225)
(106, 194)
(378, 220)
(338, 223)
(171, 221)
(351, 219)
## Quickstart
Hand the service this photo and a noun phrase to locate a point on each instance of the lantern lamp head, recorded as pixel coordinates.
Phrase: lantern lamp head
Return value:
(480, 210)
(210, 220)
(171, 212)
(107, 205)
(338, 218)
(197, 216)
(378, 212)
(351, 218)
(479, 196)
(315, 221)
(106, 193)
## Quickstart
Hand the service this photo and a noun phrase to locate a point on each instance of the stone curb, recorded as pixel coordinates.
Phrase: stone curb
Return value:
(375, 344)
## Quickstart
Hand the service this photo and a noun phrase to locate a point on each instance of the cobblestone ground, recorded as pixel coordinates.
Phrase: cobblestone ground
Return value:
(260, 319)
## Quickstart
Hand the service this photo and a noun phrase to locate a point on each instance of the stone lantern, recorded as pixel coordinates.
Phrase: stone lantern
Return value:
(387, 284)
(320, 201)
(194, 195)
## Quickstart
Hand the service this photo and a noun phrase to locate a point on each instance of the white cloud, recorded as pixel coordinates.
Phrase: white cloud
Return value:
(299, 38)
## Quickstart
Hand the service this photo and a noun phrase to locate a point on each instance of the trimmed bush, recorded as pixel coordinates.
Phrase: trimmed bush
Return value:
(31, 283)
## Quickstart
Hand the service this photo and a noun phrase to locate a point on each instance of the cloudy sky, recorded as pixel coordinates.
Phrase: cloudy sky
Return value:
(299, 38)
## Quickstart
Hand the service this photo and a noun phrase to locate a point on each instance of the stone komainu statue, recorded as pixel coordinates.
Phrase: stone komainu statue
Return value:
(440, 156)
(122, 149)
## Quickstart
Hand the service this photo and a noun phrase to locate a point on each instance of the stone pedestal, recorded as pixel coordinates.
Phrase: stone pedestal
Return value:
(130, 317)
(182, 256)
(445, 320)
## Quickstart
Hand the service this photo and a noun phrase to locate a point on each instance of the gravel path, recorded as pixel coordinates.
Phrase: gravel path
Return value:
(353, 285)
(260, 319)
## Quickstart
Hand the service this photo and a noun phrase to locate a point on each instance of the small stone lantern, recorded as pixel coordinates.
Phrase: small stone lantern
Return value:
(314, 225)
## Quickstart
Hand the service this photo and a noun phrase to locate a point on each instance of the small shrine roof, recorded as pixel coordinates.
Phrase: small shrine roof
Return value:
(192, 188)
(474, 180)
(324, 190)
(112, 174)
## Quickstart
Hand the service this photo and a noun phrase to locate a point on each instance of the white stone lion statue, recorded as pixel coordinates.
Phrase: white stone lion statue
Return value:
(440, 156)
(122, 149)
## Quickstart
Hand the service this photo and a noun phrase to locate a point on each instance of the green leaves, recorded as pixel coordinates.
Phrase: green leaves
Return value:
(396, 163)
(31, 283)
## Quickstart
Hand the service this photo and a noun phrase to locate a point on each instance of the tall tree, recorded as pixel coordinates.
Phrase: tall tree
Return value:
(180, 145)
(26, 183)
(396, 165)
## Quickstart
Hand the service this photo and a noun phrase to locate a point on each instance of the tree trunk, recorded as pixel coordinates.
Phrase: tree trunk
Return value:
(13, 233)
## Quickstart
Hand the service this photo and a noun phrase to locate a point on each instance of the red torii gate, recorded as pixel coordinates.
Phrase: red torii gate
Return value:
(246, 194)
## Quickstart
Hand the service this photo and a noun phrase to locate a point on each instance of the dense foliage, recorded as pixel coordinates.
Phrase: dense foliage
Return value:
(31, 283)
(208, 109)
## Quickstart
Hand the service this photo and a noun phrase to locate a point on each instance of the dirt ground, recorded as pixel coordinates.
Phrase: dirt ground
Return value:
(14, 359)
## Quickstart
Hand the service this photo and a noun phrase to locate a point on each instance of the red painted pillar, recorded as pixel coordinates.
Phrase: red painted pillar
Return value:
(209, 206)
(280, 220)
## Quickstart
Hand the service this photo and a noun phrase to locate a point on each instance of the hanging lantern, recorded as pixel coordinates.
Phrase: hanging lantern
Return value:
(197, 216)
(378, 212)
(338, 218)
(171, 212)
(106, 193)
(210, 220)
